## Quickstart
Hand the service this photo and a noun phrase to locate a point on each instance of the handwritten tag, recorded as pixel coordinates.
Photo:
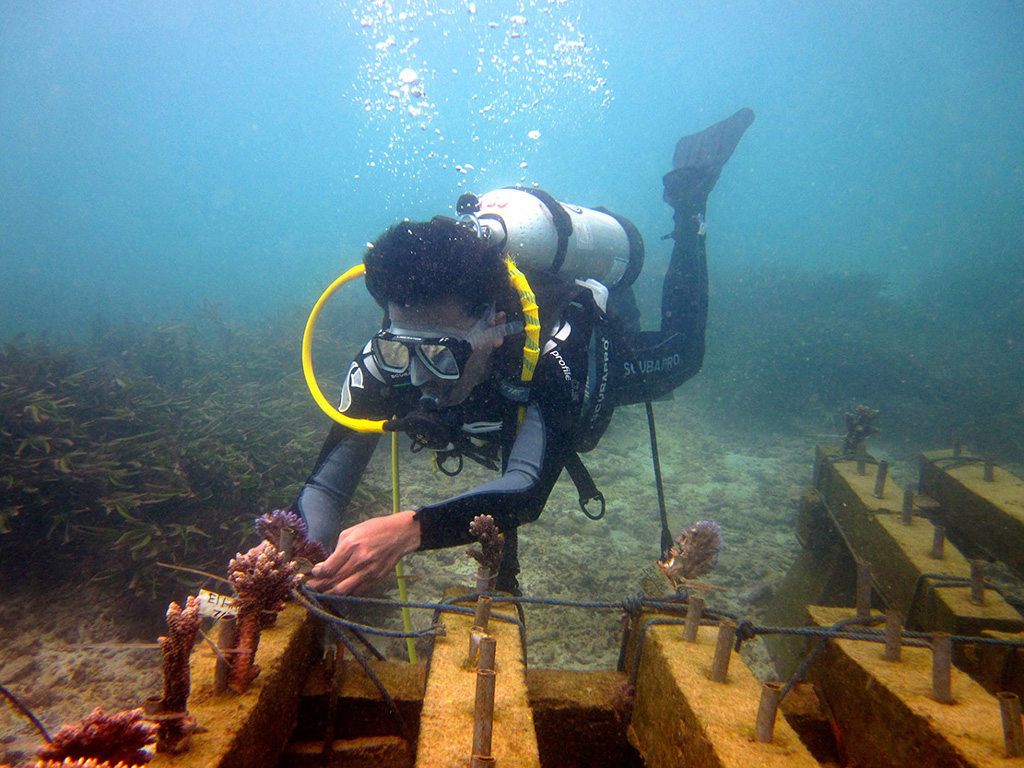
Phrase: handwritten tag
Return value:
(214, 606)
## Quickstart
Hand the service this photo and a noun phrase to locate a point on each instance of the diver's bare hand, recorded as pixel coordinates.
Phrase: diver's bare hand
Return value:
(366, 553)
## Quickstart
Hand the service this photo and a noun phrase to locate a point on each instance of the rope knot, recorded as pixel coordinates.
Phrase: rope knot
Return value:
(633, 604)
(745, 630)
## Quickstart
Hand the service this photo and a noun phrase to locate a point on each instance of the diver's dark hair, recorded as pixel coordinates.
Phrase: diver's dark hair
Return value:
(417, 263)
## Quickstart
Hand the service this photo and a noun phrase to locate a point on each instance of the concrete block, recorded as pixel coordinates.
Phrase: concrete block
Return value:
(446, 723)
(990, 513)
(886, 713)
(250, 730)
(900, 554)
(682, 718)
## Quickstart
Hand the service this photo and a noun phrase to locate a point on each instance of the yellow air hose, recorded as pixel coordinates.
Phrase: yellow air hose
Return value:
(359, 425)
(531, 319)
(396, 507)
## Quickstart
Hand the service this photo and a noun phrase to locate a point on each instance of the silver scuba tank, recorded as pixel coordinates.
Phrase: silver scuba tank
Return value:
(539, 232)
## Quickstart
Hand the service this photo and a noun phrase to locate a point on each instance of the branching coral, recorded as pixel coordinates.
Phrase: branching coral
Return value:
(182, 625)
(693, 554)
(859, 427)
(176, 727)
(262, 579)
(272, 525)
(488, 554)
(121, 737)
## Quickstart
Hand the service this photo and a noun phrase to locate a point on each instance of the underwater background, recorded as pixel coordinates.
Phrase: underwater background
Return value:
(180, 181)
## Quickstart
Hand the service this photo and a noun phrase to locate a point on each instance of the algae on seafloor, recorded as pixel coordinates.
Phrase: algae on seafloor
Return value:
(147, 446)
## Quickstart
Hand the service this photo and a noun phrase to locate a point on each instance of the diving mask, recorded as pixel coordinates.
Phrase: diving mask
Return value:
(443, 355)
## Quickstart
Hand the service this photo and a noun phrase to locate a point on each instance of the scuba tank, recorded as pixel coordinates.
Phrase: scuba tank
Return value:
(536, 231)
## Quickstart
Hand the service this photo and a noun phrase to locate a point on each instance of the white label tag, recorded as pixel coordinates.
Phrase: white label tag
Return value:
(214, 606)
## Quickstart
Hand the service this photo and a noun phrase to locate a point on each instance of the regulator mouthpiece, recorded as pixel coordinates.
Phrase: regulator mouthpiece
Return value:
(428, 425)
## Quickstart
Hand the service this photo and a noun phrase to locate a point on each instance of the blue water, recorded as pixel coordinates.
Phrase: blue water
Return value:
(154, 155)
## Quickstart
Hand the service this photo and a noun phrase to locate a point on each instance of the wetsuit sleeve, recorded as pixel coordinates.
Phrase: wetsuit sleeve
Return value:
(328, 490)
(538, 455)
(345, 454)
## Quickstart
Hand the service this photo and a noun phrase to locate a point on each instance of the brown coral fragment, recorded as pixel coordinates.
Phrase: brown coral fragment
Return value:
(693, 554)
(262, 579)
(175, 725)
(117, 738)
(279, 525)
(859, 427)
(488, 554)
(182, 625)
(492, 542)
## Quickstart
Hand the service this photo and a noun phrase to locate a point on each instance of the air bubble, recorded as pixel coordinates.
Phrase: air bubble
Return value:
(555, 74)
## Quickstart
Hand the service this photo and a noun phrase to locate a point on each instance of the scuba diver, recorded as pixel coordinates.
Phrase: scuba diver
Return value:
(461, 366)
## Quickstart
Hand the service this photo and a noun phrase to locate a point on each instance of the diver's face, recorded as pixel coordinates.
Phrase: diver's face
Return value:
(446, 318)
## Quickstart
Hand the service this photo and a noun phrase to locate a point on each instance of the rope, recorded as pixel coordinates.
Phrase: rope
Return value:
(809, 659)
(26, 712)
(632, 606)
(955, 461)
(338, 621)
(666, 534)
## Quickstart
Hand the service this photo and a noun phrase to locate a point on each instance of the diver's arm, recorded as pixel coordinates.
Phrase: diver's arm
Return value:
(367, 552)
(329, 488)
(517, 497)
(345, 453)
(538, 455)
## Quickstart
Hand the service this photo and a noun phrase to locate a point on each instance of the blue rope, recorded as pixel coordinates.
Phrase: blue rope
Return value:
(628, 604)
(338, 621)
(631, 606)
(809, 659)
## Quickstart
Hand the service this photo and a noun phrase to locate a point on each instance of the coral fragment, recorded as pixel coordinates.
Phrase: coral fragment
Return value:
(262, 579)
(117, 738)
(694, 553)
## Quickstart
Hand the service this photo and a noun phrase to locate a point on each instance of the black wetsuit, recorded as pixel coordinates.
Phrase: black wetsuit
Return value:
(645, 365)
(532, 456)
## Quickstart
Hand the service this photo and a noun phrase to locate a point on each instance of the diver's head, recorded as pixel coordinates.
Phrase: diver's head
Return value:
(442, 288)
(417, 263)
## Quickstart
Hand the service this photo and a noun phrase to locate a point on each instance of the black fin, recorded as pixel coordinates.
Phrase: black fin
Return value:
(713, 146)
(699, 158)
